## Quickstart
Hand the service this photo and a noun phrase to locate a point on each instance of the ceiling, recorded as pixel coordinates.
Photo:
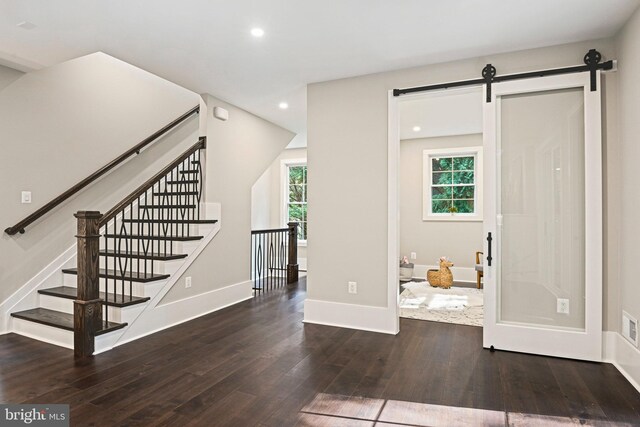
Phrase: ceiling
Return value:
(206, 45)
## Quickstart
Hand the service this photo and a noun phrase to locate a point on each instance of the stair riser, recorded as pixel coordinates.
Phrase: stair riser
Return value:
(139, 289)
(116, 314)
(158, 230)
(57, 336)
(131, 264)
(54, 303)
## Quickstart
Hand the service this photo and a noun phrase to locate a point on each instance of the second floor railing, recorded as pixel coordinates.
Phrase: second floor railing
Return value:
(274, 257)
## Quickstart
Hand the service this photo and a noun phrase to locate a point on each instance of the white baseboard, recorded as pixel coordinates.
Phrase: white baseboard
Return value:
(460, 274)
(352, 316)
(623, 355)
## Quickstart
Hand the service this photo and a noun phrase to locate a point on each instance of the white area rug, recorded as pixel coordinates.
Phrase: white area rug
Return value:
(464, 306)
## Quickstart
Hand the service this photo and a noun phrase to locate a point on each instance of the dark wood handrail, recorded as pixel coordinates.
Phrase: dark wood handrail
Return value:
(202, 143)
(269, 230)
(20, 227)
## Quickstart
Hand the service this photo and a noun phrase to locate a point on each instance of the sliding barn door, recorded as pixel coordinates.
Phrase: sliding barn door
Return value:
(543, 217)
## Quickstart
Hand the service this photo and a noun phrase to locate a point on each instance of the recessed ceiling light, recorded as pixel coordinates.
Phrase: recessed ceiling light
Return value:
(257, 32)
(283, 105)
(417, 128)
(26, 25)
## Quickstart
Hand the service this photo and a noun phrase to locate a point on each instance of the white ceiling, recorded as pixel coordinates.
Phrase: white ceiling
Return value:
(206, 46)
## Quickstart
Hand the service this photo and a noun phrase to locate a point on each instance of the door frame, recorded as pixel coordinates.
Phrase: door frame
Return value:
(393, 193)
(587, 344)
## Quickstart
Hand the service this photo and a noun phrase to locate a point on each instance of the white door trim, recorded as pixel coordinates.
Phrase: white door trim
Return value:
(393, 213)
(585, 344)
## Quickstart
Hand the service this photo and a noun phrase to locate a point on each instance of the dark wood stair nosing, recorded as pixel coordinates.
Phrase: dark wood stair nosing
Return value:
(186, 181)
(168, 206)
(171, 238)
(64, 321)
(110, 274)
(175, 193)
(66, 292)
(170, 221)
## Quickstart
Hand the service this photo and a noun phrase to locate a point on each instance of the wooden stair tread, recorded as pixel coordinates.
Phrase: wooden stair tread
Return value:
(171, 221)
(130, 276)
(142, 255)
(168, 207)
(189, 172)
(60, 320)
(184, 181)
(110, 299)
(137, 237)
(176, 193)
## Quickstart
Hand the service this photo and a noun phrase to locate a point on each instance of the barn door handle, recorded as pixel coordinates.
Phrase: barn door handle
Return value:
(489, 258)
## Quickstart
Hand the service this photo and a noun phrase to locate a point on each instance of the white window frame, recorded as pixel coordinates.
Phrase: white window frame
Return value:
(427, 214)
(285, 164)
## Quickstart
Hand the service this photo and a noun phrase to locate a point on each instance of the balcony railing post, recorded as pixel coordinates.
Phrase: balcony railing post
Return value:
(292, 265)
(87, 313)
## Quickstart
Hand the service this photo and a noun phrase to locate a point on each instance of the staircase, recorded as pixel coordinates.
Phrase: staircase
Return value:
(124, 259)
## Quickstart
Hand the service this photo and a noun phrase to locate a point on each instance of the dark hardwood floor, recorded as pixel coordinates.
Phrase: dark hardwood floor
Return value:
(256, 363)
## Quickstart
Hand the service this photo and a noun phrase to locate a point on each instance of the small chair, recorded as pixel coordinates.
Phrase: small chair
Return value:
(479, 271)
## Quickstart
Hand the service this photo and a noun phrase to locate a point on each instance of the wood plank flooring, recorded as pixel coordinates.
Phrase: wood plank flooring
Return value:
(256, 363)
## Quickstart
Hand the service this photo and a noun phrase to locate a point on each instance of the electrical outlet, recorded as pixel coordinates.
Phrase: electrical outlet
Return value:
(26, 197)
(187, 282)
(563, 306)
(353, 287)
(413, 255)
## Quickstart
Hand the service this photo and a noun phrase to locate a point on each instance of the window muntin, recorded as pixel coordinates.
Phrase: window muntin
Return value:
(453, 185)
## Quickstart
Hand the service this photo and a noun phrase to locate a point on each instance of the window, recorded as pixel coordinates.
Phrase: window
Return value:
(452, 184)
(295, 196)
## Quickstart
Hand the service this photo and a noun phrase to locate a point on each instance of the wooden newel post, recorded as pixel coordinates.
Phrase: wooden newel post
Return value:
(292, 264)
(87, 309)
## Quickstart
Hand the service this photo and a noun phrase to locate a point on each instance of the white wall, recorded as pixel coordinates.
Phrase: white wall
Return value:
(261, 201)
(60, 124)
(456, 240)
(628, 205)
(8, 76)
(348, 155)
(238, 152)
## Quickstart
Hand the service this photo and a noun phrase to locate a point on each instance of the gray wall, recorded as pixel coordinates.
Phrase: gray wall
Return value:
(347, 146)
(58, 125)
(457, 240)
(8, 76)
(627, 206)
(238, 152)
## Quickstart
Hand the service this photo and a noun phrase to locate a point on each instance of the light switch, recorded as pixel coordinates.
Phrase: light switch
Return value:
(26, 197)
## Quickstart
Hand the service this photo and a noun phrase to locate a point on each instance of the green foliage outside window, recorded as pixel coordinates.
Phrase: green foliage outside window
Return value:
(297, 204)
(453, 184)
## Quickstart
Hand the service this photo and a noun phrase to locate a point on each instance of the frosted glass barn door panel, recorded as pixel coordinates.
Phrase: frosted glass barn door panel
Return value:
(541, 202)
(545, 182)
